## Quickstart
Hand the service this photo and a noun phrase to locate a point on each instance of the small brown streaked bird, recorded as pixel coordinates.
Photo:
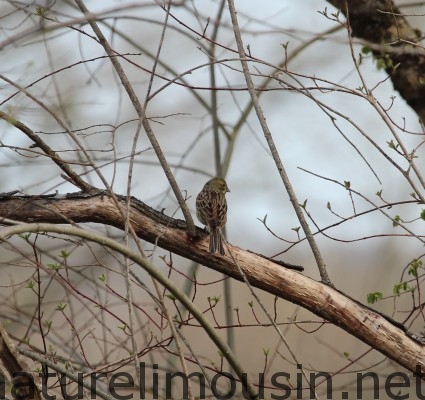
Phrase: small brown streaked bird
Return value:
(211, 210)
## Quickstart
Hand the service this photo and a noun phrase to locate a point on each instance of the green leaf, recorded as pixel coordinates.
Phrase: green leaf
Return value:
(374, 297)
(64, 254)
(40, 11)
(30, 284)
(400, 287)
(414, 265)
(55, 266)
(396, 221)
(392, 145)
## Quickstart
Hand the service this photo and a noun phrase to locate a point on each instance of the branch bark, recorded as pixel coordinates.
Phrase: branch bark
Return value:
(20, 374)
(381, 23)
(371, 327)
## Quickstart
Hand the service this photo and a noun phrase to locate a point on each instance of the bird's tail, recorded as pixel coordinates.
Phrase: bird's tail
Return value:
(216, 243)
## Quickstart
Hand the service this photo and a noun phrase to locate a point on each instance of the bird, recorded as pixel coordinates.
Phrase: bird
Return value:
(211, 210)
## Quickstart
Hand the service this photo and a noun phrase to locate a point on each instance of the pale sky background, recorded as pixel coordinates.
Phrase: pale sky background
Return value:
(304, 135)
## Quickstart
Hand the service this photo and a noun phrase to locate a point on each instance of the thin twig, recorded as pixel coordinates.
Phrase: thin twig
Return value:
(275, 154)
(63, 165)
(65, 372)
(151, 269)
(141, 112)
(268, 315)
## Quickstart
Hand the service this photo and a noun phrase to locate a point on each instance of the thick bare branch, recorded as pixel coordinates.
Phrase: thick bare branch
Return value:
(377, 330)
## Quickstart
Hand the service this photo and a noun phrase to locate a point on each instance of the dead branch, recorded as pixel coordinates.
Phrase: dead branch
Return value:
(371, 327)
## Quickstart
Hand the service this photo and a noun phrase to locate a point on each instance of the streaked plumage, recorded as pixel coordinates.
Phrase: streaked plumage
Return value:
(211, 210)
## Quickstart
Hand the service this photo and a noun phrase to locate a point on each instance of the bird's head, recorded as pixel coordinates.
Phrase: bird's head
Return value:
(218, 185)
